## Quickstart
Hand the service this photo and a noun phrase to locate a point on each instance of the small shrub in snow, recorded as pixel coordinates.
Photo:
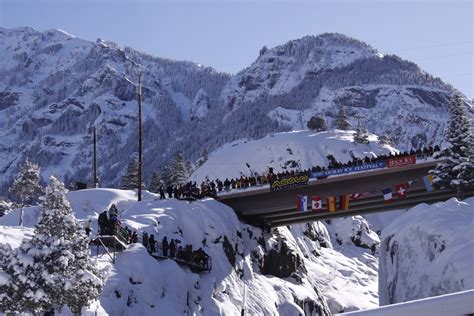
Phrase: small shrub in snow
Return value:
(317, 124)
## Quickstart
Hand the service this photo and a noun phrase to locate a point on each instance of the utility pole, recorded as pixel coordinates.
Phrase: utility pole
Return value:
(96, 179)
(139, 95)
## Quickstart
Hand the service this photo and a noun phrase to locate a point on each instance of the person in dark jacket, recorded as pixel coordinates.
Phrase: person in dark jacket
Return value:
(165, 246)
(172, 249)
(145, 240)
(162, 192)
(103, 221)
(169, 190)
(152, 243)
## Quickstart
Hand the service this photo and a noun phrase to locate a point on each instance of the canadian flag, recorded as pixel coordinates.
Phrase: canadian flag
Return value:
(401, 190)
(316, 203)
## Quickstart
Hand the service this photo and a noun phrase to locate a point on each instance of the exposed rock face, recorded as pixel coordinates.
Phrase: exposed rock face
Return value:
(282, 262)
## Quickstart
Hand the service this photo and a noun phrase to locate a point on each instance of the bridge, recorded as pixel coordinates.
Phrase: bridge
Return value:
(263, 207)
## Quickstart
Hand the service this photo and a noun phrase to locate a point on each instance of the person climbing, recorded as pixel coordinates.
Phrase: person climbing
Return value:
(165, 247)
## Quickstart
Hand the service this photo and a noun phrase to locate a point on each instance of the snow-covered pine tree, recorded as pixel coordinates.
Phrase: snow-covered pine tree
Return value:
(54, 268)
(130, 178)
(26, 185)
(189, 167)
(457, 170)
(155, 183)
(167, 175)
(180, 171)
(203, 159)
(342, 122)
(361, 136)
(385, 140)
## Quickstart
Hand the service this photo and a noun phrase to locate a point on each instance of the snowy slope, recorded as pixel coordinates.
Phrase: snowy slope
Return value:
(290, 271)
(428, 251)
(285, 151)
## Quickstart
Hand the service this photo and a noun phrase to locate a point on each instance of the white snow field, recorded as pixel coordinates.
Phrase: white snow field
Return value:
(329, 279)
(300, 149)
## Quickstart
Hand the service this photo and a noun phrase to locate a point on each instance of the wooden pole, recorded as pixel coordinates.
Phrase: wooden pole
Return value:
(139, 95)
(96, 179)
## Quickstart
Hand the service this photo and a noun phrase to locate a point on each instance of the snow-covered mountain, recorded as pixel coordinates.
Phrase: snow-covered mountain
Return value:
(427, 251)
(311, 269)
(55, 87)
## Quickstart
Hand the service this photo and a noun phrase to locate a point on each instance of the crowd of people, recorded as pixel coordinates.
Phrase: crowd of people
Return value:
(211, 188)
(110, 225)
(174, 250)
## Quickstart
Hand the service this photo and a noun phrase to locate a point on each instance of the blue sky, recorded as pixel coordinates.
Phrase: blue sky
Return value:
(227, 35)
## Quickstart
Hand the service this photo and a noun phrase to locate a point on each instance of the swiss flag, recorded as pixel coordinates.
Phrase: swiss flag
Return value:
(401, 190)
(316, 203)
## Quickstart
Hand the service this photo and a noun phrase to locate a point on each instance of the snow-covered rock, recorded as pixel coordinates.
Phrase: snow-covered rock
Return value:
(427, 251)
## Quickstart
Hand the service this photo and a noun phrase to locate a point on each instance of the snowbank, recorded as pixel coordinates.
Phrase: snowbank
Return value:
(285, 151)
(428, 251)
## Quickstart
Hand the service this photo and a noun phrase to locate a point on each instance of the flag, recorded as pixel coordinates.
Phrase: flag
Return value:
(331, 203)
(355, 196)
(401, 190)
(316, 203)
(302, 203)
(428, 180)
(344, 202)
(387, 195)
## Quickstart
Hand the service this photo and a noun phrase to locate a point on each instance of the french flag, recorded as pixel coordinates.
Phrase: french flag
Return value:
(387, 195)
(302, 203)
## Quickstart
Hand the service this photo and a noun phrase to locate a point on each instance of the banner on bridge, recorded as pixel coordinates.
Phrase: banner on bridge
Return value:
(401, 161)
(364, 167)
(289, 182)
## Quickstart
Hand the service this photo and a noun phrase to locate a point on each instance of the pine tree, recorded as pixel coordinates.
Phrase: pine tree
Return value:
(180, 171)
(167, 175)
(155, 183)
(342, 122)
(457, 170)
(385, 140)
(53, 268)
(361, 136)
(130, 178)
(203, 159)
(317, 124)
(26, 185)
